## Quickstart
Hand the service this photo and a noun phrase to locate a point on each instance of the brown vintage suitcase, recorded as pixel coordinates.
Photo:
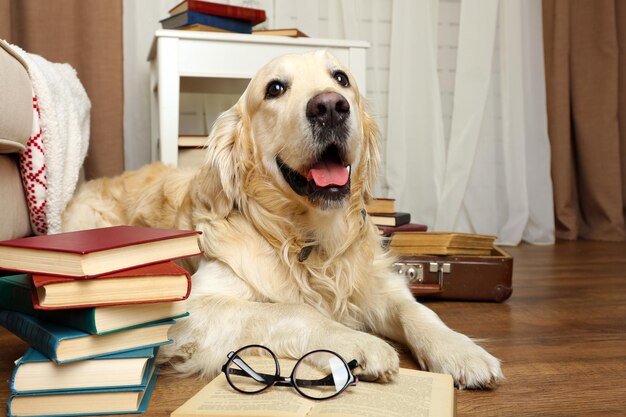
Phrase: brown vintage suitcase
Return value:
(462, 277)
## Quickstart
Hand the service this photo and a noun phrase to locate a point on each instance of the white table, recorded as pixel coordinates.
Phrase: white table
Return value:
(221, 63)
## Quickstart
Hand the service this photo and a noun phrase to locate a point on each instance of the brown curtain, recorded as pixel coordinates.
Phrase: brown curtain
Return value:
(584, 43)
(88, 36)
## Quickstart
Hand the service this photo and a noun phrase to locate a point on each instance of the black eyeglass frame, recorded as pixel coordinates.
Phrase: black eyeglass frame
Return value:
(278, 380)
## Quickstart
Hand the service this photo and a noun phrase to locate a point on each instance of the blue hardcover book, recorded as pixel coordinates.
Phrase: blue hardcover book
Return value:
(65, 344)
(87, 402)
(36, 373)
(16, 293)
(191, 18)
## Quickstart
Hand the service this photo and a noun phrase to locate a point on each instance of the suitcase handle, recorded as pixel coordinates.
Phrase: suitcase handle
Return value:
(419, 289)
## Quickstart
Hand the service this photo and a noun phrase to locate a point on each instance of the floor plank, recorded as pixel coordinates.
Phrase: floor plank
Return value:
(561, 338)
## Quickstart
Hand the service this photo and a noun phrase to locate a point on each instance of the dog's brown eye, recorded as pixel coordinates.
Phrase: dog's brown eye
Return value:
(275, 89)
(341, 78)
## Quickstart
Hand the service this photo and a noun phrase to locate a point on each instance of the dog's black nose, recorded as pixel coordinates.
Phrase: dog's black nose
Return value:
(328, 109)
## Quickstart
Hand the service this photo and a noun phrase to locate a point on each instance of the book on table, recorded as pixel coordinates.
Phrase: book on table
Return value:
(191, 18)
(411, 393)
(84, 402)
(36, 373)
(291, 32)
(89, 253)
(197, 27)
(65, 344)
(254, 16)
(441, 243)
(392, 219)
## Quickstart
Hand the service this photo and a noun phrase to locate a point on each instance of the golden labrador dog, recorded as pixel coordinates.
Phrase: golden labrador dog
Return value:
(291, 260)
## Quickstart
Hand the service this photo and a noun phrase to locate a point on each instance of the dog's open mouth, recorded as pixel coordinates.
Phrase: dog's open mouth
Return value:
(325, 183)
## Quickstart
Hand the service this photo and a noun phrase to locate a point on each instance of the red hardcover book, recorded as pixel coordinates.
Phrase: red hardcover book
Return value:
(89, 253)
(254, 16)
(408, 227)
(160, 282)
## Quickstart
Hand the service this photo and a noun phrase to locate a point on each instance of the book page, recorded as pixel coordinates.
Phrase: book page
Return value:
(411, 393)
(218, 398)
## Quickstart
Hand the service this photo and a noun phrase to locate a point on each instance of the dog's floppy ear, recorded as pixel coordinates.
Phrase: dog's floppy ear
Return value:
(219, 179)
(371, 152)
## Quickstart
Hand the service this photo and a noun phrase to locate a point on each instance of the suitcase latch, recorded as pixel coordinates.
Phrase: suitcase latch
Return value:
(440, 268)
(413, 272)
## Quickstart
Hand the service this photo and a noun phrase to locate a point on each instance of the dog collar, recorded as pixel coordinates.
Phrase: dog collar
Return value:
(305, 252)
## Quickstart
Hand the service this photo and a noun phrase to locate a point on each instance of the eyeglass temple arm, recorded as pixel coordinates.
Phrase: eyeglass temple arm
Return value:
(246, 370)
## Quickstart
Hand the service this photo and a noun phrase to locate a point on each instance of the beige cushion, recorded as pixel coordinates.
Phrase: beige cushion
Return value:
(16, 102)
(15, 221)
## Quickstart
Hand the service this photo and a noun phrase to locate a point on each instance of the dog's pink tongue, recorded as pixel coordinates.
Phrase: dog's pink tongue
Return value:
(326, 173)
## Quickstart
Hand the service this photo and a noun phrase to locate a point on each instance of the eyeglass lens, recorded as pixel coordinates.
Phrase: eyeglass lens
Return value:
(321, 375)
(252, 369)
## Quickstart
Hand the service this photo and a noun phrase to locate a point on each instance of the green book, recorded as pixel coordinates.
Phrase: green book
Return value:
(16, 294)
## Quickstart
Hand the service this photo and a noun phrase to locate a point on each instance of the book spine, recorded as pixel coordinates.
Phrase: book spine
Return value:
(9, 404)
(15, 297)
(190, 18)
(27, 328)
(234, 12)
(20, 298)
(81, 319)
(14, 374)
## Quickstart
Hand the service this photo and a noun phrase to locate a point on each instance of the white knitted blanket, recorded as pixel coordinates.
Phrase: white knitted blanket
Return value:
(51, 165)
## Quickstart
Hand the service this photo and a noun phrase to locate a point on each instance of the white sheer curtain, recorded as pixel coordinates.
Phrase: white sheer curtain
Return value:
(485, 168)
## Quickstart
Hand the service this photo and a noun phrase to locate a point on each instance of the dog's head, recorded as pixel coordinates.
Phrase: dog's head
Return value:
(301, 130)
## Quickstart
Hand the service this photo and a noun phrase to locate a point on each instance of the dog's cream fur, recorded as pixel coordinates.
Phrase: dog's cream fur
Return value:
(251, 287)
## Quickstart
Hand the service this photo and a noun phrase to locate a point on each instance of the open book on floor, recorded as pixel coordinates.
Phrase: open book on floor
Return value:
(412, 393)
(85, 402)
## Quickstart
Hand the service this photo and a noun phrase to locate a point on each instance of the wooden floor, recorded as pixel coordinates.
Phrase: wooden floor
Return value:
(561, 338)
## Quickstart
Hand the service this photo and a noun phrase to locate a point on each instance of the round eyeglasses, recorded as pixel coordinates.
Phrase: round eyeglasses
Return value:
(318, 375)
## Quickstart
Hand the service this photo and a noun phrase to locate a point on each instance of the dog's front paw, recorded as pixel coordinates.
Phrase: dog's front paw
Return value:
(470, 365)
(378, 360)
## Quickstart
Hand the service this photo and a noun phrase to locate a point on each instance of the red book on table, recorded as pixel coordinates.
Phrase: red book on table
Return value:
(408, 227)
(254, 16)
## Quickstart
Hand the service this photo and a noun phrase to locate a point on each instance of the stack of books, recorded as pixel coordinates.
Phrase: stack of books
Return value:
(441, 243)
(94, 306)
(207, 16)
(383, 213)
